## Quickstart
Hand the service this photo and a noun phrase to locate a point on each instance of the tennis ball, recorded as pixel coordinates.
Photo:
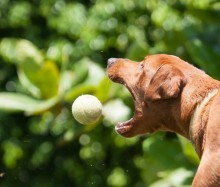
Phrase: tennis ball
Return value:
(87, 109)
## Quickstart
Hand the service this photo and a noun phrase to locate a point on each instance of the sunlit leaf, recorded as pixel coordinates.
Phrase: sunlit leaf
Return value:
(19, 14)
(33, 71)
(44, 77)
(14, 102)
(62, 22)
(161, 154)
(117, 177)
(188, 150)
(178, 177)
(12, 153)
(20, 51)
(60, 51)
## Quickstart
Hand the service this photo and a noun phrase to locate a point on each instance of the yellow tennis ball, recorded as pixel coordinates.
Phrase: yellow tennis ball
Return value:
(87, 109)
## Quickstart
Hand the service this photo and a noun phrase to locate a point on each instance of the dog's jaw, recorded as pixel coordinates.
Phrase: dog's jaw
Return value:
(128, 128)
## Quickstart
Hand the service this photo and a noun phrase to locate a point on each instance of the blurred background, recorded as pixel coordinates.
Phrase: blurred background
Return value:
(55, 50)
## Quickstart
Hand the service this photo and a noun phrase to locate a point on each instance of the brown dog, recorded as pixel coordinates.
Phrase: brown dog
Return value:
(171, 95)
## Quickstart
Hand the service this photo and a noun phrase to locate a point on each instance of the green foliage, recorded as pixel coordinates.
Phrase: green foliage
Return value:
(53, 51)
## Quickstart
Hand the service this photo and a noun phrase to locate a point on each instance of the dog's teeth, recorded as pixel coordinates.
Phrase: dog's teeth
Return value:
(120, 124)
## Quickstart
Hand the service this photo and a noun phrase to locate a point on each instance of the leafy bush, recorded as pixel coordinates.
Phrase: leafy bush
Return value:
(53, 51)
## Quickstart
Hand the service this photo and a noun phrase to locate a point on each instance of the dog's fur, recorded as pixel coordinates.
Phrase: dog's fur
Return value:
(172, 95)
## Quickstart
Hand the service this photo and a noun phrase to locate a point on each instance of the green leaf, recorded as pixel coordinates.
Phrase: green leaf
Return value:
(88, 77)
(81, 71)
(204, 56)
(176, 177)
(118, 177)
(137, 51)
(44, 77)
(14, 102)
(34, 73)
(12, 153)
(60, 51)
(20, 51)
(62, 22)
(162, 154)
(95, 74)
(103, 89)
(206, 15)
(79, 90)
(188, 150)
(8, 50)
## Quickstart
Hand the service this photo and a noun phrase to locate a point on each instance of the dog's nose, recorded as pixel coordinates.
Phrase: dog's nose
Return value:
(111, 61)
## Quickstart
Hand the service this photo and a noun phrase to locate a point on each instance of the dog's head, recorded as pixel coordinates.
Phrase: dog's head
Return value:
(154, 84)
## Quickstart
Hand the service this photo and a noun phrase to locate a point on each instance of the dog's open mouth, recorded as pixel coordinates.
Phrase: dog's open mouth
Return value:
(126, 128)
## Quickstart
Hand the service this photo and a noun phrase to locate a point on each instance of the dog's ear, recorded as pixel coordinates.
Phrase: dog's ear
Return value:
(167, 83)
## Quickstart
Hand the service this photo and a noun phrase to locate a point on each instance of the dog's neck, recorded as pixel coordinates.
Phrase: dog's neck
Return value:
(198, 122)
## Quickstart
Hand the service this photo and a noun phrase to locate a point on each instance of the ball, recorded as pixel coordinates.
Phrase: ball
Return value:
(87, 109)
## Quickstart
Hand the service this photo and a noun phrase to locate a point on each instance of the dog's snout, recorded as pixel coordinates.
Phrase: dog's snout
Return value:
(111, 61)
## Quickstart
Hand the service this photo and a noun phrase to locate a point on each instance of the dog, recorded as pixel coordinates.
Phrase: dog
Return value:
(172, 95)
